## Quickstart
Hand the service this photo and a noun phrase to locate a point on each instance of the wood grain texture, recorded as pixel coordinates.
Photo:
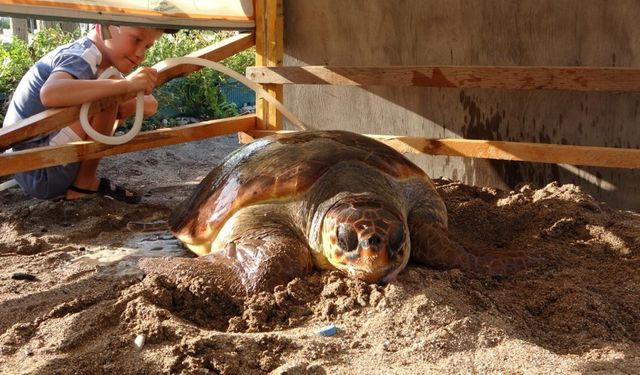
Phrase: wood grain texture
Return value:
(484, 77)
(55, 119)
(498, 150)
(269, 52)
(482, 33)
(41, 157)
(231, 14)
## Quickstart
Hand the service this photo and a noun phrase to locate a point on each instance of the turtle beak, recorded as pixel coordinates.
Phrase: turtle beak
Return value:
(374, 260)
(374, 247)
(379, 262)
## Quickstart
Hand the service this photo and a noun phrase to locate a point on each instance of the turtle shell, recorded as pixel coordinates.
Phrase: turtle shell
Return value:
(277, 168)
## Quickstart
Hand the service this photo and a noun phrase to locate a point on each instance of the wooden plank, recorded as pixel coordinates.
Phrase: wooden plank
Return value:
(226, 14)
(215, 52)
(54, 119)
(19, 29)
(244, 138)
(261, 33)
(269, 52)
(275, 40)
(41, 157)
(515, 151)
(262, 108)
(485, 77)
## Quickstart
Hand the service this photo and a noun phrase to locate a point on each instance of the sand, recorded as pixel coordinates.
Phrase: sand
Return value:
(72, 300)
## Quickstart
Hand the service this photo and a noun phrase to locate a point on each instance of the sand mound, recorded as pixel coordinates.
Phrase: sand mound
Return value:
(72, 300)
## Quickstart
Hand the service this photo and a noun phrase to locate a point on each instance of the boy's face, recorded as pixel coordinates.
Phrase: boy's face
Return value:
(127, 45)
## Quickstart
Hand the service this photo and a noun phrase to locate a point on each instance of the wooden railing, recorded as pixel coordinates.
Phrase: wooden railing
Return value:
(477, 77)
(482, 77)
(499, 150)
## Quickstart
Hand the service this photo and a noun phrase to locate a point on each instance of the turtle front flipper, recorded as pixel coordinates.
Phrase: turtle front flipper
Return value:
(431, 246)
(243, 267)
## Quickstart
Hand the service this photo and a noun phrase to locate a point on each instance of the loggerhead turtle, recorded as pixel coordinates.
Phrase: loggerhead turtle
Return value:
(280, 206)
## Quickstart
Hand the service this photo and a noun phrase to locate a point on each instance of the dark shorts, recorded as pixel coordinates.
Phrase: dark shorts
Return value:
(49, 182)
(46, 183)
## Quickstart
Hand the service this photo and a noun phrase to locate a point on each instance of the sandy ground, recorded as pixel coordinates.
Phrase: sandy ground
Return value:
(72, 300)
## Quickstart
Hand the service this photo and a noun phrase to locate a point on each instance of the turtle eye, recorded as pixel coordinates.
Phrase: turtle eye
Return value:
(347, 238)
(396, 238)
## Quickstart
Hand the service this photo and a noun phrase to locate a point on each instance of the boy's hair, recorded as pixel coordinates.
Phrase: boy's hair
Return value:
(105, 34)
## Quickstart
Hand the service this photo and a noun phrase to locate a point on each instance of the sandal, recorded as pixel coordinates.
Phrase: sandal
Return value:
(119, 193)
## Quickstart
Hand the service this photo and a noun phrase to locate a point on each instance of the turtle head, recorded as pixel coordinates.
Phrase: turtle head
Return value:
(365, 238)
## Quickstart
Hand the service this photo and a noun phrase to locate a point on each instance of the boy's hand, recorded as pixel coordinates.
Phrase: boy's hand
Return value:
(128, 108)
(143, 79)
(150, 105)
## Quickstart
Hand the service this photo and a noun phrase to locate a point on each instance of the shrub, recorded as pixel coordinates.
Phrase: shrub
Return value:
(17, 57)
(198, 94)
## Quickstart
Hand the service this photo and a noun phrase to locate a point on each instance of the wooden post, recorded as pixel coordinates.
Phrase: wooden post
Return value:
(19, 28)
(269, 52)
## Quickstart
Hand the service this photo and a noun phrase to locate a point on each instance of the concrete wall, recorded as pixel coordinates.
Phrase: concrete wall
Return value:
(471, 32)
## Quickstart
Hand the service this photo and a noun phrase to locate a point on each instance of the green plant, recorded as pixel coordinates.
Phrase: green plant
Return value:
(14, 62)
(17, 57)
(198, 94)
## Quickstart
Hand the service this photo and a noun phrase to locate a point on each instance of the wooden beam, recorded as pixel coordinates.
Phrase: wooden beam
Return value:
(215, 52)
(218, 14)
(244, 138)
(261, 58)
(269, 52)
(54, 119)
(515, 151)
(41, 157)
(485, 77)
(19, 28)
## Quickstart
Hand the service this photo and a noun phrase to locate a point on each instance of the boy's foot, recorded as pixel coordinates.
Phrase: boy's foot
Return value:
(105, 188)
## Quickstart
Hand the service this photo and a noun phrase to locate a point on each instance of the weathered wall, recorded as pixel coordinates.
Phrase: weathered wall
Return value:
(471, 32)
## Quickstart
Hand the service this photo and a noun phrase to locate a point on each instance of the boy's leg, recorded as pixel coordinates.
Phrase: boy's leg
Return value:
(87, 178)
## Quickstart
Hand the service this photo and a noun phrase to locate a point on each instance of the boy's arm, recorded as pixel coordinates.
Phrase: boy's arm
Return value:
(63, 90)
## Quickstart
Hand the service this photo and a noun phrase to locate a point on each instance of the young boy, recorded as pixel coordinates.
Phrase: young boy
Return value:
(67, 77)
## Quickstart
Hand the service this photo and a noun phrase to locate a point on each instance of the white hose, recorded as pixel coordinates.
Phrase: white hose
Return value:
(235, 75)
(8, 184)
(137, 124)
(168, 63)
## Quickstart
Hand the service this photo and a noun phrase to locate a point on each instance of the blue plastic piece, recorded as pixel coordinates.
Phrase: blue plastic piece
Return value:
(329, 330)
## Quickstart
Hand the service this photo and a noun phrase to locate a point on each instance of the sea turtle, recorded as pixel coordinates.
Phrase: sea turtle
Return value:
(280, 206)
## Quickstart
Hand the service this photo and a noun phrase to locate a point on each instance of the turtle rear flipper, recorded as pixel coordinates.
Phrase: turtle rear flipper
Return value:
(431, 246)
(244, 267)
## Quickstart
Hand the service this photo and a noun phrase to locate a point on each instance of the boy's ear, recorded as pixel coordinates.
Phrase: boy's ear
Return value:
(104, 31)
